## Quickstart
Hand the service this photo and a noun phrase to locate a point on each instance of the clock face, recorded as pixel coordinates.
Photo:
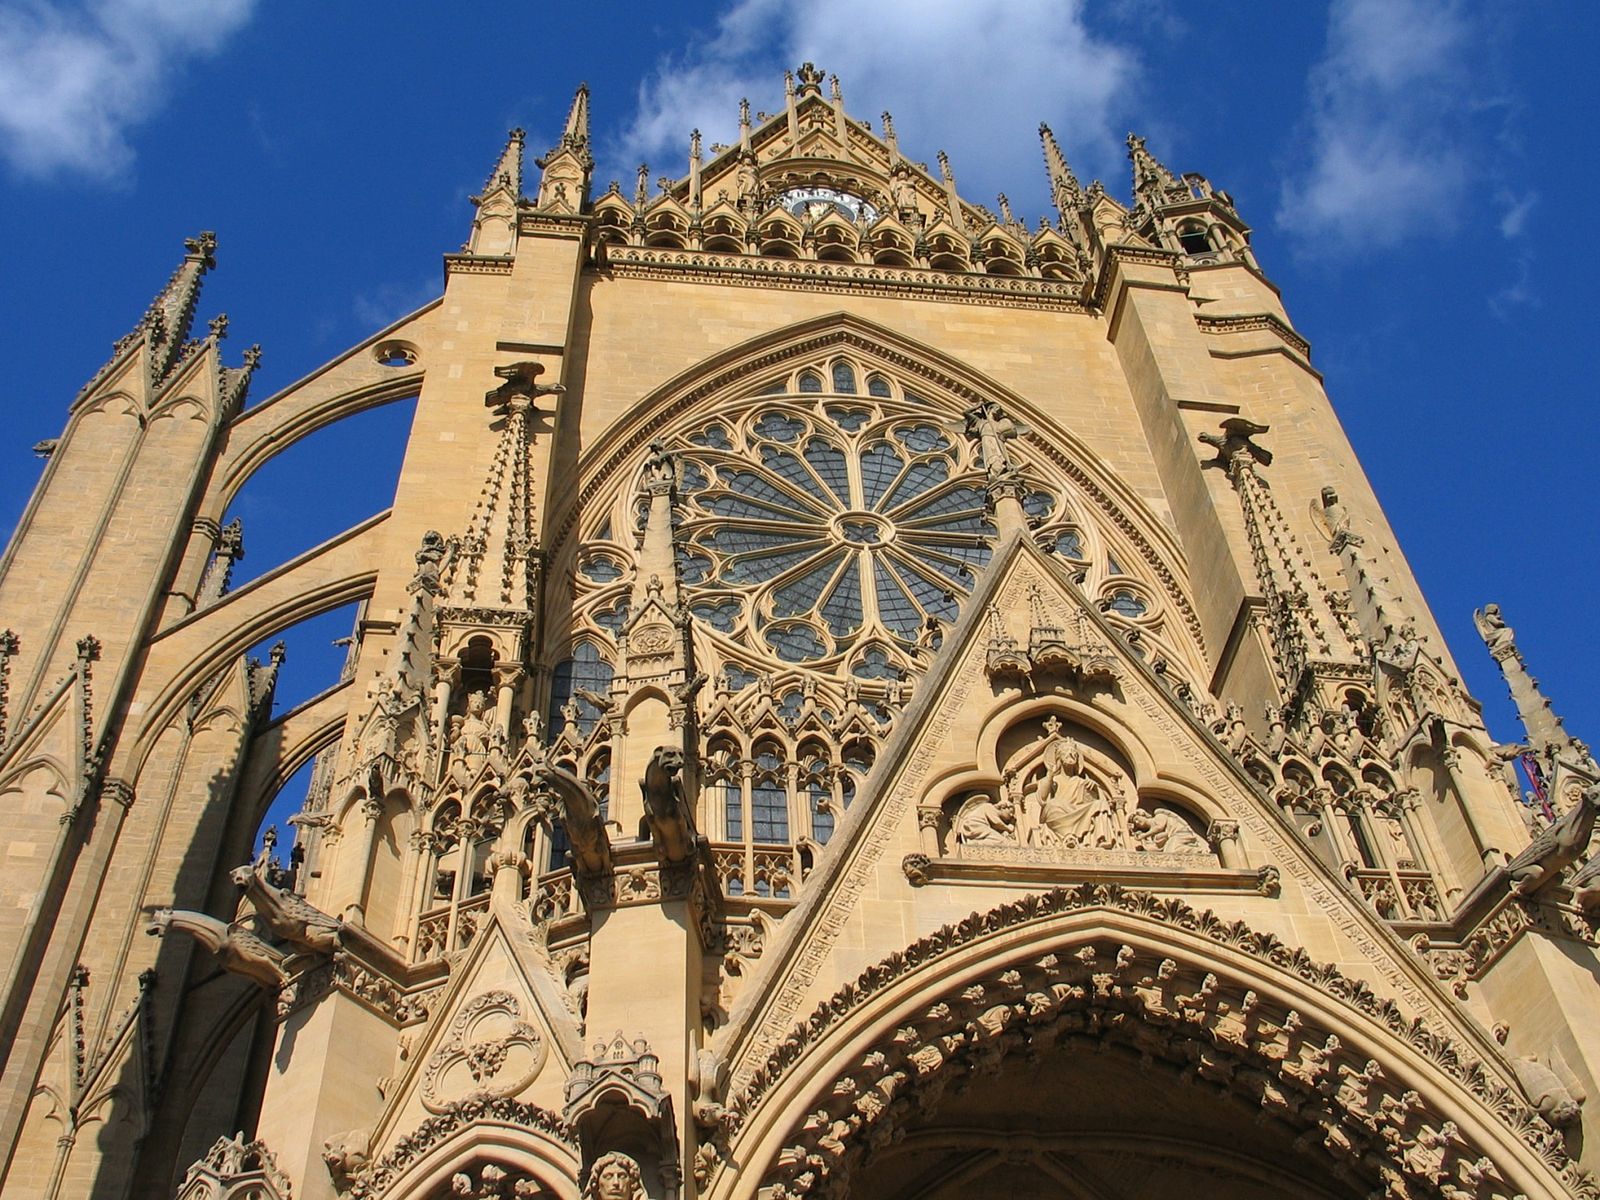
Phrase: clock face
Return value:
(809, 204)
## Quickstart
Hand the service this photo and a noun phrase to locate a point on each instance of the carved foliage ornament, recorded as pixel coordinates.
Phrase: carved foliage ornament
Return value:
(490, 1052)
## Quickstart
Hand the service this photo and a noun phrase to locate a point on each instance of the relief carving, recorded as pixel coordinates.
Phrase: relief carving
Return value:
(491, 1052)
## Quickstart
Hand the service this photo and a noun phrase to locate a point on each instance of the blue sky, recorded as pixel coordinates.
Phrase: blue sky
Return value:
(1418, 176)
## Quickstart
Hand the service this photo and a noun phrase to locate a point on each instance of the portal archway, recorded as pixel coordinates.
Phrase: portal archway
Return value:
(1130, 1019)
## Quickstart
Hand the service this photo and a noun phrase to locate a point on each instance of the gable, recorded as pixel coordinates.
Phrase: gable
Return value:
(895, 873)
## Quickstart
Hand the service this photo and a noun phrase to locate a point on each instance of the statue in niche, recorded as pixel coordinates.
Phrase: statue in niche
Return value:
(474, 735)
(987, 820)
(614, 1176)
(1164, 831)
(1076, 810)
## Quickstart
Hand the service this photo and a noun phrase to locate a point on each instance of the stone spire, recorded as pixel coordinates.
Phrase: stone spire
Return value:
(166, 324)
(494, 224)
(957, 217)
(507, 173)
(1547, 736)
(1301, 626)
(1153, 184)
(890, 140)
(1064, 189)
(1377, 610)
(497, 566)
(564, 186)
(694, 170)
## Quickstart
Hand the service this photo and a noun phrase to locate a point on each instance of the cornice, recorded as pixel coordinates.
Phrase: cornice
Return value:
(739, 270)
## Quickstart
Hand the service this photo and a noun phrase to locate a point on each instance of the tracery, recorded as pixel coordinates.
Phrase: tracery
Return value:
(830, 524)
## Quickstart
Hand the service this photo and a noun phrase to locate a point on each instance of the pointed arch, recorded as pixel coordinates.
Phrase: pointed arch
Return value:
(1366, 1088)
(728, 376)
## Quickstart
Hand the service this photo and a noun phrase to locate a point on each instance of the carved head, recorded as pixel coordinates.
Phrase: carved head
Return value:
(614, 1176)
(668, 758)
(241, 876)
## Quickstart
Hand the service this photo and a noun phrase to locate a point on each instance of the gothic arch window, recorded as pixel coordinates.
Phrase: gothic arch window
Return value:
(832, 518)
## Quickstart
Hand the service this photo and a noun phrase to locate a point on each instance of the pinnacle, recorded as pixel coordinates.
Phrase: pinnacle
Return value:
(507, 173)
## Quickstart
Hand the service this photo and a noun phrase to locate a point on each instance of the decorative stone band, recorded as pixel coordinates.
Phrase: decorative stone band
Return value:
(435, 1131)
(1006, 291)
(1220, 1030)
(1032, 866)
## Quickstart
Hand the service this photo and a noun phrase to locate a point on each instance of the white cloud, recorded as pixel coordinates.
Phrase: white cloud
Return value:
(73, 80)
(978, 75)
(1392, 136)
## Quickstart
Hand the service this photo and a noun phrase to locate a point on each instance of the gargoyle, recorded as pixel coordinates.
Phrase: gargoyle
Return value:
(580, 816)
(1556, 848)
(289, 917)
(668, 816)
(238, 950)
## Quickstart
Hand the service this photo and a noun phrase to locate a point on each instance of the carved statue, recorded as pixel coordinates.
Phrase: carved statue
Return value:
(902, 195)
(988, 821)
(666, 813)
(580, 816)
(238, 950)
(1076, 811)
(1556, 848)
(1548, 1095)
(346, 1155)
(989, 424)
(614, 1176)
(660, 469)
(1496, 634)
(289, 917)
(473, 736)
(1163, 830)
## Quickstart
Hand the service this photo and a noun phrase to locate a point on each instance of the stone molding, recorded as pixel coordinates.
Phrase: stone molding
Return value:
(787, 274)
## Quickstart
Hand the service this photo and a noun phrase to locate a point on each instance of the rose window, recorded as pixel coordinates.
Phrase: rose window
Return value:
(811, 530)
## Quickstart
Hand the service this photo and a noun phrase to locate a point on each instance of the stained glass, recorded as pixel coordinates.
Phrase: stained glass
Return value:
(844, 377)
(877, 385)
(887, 489)
(1126, 604)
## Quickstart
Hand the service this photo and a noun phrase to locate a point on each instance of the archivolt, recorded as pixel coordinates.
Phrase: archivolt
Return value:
(728, 376)
(1393, 1102)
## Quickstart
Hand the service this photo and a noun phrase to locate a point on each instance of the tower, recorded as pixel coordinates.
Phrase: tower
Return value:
(854, 697)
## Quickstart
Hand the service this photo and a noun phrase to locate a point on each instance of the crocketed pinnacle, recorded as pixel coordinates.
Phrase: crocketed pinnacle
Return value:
(1064, 188)
(167, 322)
(507, 173)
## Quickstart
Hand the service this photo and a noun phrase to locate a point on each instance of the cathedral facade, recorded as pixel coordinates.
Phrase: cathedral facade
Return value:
(854, 696)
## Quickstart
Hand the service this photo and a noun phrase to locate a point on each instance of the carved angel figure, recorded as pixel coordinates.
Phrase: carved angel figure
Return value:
(1163, 830)
(1076, 810)
(614, 1176)
(988, 821)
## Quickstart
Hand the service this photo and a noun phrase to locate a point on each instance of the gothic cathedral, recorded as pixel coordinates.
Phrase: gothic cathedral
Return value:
(854, 697)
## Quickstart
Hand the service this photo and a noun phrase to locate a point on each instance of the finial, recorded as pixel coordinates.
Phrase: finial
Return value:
(694, 143)
(889, 139)
(834, 90)
(944, 168)
(218, 326)
(1005, 209)
(810, 78)
(788, 83)
(641, 192)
